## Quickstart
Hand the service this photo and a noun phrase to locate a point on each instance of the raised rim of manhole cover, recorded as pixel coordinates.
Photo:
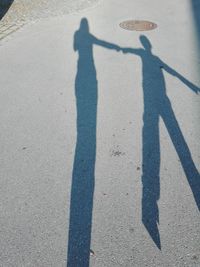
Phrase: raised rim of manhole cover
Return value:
(138, 25)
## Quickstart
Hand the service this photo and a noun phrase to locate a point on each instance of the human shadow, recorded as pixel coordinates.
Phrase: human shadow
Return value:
(83, 176)
(4, 6)
(157, 104)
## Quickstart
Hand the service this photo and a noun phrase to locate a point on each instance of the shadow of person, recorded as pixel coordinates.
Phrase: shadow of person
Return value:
(4, 6)
(157, 104)
(83, 176)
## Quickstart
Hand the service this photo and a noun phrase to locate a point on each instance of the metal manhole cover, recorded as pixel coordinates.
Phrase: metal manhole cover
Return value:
(138, 25)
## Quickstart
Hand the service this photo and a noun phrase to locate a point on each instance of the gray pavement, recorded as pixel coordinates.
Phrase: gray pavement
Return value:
(28, 10)
(100, 152)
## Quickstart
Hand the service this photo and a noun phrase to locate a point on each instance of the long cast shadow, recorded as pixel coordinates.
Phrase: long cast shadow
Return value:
(4, 6)
(157, 104)
(83, 177)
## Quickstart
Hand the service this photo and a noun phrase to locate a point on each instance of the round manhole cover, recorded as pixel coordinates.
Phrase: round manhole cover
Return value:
(138, 25)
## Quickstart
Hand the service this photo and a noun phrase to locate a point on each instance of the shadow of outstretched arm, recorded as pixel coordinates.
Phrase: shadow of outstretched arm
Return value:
(135, 51)
(105, 44)
(171, 71)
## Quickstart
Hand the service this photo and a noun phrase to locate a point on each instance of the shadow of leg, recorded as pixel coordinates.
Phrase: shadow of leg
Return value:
(150, 176)
(182, 150)
(83, 177)
(81, 204)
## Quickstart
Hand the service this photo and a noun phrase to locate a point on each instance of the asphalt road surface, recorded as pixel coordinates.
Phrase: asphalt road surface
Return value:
(99, 135)
(28, 10)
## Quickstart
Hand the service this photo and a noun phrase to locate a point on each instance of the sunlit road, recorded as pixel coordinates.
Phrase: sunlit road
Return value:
(99, 134)
(28, 10)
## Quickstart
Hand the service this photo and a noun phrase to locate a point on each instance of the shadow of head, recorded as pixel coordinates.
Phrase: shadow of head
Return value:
(4, 7)
(84, 25)
(145, 42)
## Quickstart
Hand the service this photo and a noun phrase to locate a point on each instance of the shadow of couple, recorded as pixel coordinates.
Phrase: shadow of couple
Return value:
(156, 105)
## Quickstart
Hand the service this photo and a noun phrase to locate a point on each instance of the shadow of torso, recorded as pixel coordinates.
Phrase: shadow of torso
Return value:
(154, 88)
